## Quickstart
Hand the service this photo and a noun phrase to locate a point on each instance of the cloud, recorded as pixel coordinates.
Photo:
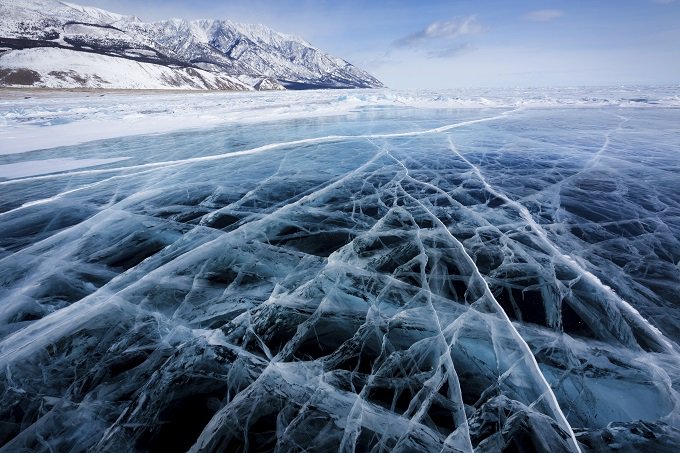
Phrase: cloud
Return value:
(441, 30)
(450, 51)
(544, 15)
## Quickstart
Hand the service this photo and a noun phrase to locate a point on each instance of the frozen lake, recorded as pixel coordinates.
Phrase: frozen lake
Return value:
(353, 270)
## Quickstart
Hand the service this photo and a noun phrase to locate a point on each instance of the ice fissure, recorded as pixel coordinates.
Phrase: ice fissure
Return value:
(554, 406)
(393, 279)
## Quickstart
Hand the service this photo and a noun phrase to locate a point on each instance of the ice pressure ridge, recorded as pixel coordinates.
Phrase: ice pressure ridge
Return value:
(431, 282)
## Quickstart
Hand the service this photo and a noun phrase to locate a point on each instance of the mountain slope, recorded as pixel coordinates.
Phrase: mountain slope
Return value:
(41, 40)
(62, 68)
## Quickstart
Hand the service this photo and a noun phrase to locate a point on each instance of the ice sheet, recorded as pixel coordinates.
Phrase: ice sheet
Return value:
(40, 167)
(78, 117)
(392, 277)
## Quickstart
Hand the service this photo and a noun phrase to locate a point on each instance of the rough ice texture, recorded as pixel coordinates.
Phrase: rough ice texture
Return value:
(388, 279)
(79, 117)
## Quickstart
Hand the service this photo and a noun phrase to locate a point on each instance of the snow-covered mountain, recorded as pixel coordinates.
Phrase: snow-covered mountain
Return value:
(48, 43)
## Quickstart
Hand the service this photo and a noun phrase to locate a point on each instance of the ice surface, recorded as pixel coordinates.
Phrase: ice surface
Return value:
(388, 277)
(23, 169)
(80, 117)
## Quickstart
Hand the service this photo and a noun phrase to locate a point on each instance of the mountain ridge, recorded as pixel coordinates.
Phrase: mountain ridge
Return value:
(68, 37)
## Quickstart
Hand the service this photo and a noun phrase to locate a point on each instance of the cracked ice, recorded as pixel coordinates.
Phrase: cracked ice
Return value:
(386, 279)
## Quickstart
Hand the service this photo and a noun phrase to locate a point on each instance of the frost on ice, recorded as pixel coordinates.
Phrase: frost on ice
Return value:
(393, 279)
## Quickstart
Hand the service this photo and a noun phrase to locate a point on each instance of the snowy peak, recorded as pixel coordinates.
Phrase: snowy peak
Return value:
(266, 35)
(227, 50)
(100, 15)
(256, 50)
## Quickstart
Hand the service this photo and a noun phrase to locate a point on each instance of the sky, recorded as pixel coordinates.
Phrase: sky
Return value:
(466, 43)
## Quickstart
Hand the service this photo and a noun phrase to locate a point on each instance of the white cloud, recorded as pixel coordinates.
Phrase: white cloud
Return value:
(442, 30)
(544, 15)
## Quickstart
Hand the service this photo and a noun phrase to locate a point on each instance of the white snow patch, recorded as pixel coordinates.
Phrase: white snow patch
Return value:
(63, 68)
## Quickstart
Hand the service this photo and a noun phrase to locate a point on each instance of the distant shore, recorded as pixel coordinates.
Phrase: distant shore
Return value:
(15, 92)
